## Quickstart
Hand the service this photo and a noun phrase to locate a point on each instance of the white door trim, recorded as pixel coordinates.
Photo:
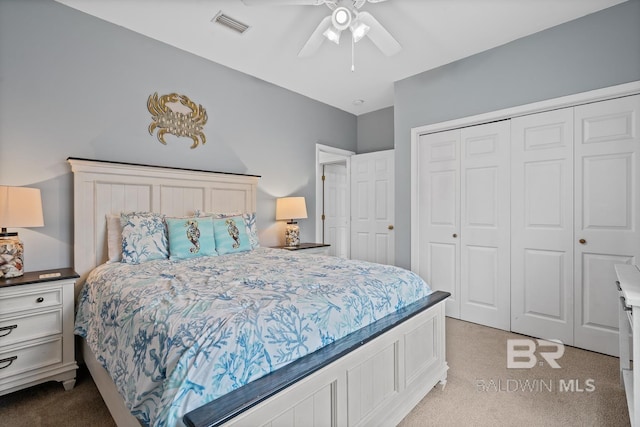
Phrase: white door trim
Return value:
(536, 107)
(327, 154)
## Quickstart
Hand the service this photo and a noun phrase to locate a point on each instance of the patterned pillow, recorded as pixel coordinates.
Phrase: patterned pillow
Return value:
(231, 235)
(114, 237)
(249, 221)
(144, 237)
(190, 237)
(252, 229)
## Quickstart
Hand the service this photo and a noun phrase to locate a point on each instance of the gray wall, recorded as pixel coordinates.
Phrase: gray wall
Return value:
(596, 51)
(74, 85)
(375, 131)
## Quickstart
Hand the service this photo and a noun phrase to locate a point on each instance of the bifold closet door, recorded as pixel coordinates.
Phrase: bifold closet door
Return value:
(485, 224)
(438, 193)
(542, 225)
(607, 214)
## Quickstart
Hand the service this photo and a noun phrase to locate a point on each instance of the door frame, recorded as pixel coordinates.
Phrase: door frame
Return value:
(326, 154)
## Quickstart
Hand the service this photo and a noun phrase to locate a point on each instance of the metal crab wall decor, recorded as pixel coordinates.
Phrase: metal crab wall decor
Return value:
(177, 115)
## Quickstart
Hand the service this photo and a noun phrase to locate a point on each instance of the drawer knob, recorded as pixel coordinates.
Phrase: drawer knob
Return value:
(39, 300)
(6, 330)
(8, 361)
(582, 241)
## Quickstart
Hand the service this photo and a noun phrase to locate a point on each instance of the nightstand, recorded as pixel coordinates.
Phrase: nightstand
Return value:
(36, 329)
(308, 248)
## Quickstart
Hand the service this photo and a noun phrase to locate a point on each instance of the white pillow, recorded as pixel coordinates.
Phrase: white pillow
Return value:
(114, 237)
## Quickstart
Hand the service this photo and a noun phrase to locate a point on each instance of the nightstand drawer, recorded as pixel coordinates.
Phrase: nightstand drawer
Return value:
(31, 326)
(30, 299)
(35, 356)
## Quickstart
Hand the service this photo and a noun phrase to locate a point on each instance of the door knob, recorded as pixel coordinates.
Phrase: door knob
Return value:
(582, 241)
(455, 235)
(390, 227)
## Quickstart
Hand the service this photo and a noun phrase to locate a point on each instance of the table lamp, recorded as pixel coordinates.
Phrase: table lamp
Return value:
(19, 207)
(290, 208)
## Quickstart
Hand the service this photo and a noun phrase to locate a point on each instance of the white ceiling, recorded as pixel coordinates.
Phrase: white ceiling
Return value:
(431, 32)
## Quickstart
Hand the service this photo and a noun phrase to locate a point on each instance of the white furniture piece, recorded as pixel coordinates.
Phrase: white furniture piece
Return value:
(308, 248)
(522, 213)
(36, 330)
(629, 317)
(408, 358)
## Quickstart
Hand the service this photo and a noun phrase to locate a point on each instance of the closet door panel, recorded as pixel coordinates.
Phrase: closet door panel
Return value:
(481, 199)
(545, 286)
(439, 207)
(607, 215)
(597, 299)
(484, 231)
(482, 268)
(542, 225)
(607, 183)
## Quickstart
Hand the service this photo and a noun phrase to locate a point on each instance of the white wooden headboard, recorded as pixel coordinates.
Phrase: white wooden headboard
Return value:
(102, 187)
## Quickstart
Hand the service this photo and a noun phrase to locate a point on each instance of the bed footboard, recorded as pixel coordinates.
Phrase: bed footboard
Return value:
(376, 384)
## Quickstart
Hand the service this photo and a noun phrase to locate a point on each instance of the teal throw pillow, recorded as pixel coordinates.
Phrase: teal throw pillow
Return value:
(231, 235)
(190, 237)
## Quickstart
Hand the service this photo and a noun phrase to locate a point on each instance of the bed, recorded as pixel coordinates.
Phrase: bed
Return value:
(343, 342)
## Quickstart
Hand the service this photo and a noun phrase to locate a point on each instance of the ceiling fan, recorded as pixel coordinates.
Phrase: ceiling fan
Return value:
(345, 15)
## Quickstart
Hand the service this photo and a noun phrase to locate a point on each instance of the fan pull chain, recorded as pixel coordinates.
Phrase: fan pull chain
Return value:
(353, 54)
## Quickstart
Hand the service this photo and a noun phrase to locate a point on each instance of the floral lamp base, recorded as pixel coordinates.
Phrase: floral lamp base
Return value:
(11, 256)
(292, 235)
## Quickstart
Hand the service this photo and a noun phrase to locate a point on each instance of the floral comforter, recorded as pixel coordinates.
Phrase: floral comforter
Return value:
(175, 335)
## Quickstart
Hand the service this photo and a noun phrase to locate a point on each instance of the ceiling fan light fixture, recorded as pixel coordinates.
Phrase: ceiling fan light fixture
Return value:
(333, 34)
(359, 30)
(341, 18)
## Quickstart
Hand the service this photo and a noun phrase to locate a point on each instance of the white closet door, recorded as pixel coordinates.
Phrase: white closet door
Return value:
(373, 207)
(485, 224)
(438, 190)
(607, 214)
(542, 225)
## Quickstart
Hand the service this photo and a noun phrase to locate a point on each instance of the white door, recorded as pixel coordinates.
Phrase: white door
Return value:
(336, 209)
(485, 224)
(372, 207)
(607, 214)
(542, 225)
(435, 245)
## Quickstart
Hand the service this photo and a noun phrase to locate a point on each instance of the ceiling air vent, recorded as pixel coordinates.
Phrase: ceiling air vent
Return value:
(229, 22)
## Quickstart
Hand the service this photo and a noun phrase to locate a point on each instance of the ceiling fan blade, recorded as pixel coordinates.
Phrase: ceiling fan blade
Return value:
(316, 39)
(379, 35)
(283, 2)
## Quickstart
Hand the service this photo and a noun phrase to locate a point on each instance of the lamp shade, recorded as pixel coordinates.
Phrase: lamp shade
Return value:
(20, 207)
(290, 208)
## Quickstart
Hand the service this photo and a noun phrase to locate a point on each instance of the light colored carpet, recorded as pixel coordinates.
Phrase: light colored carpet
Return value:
(49, 405)
(476, 355)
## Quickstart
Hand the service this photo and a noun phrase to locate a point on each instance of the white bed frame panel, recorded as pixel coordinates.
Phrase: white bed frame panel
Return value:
(377, 384)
